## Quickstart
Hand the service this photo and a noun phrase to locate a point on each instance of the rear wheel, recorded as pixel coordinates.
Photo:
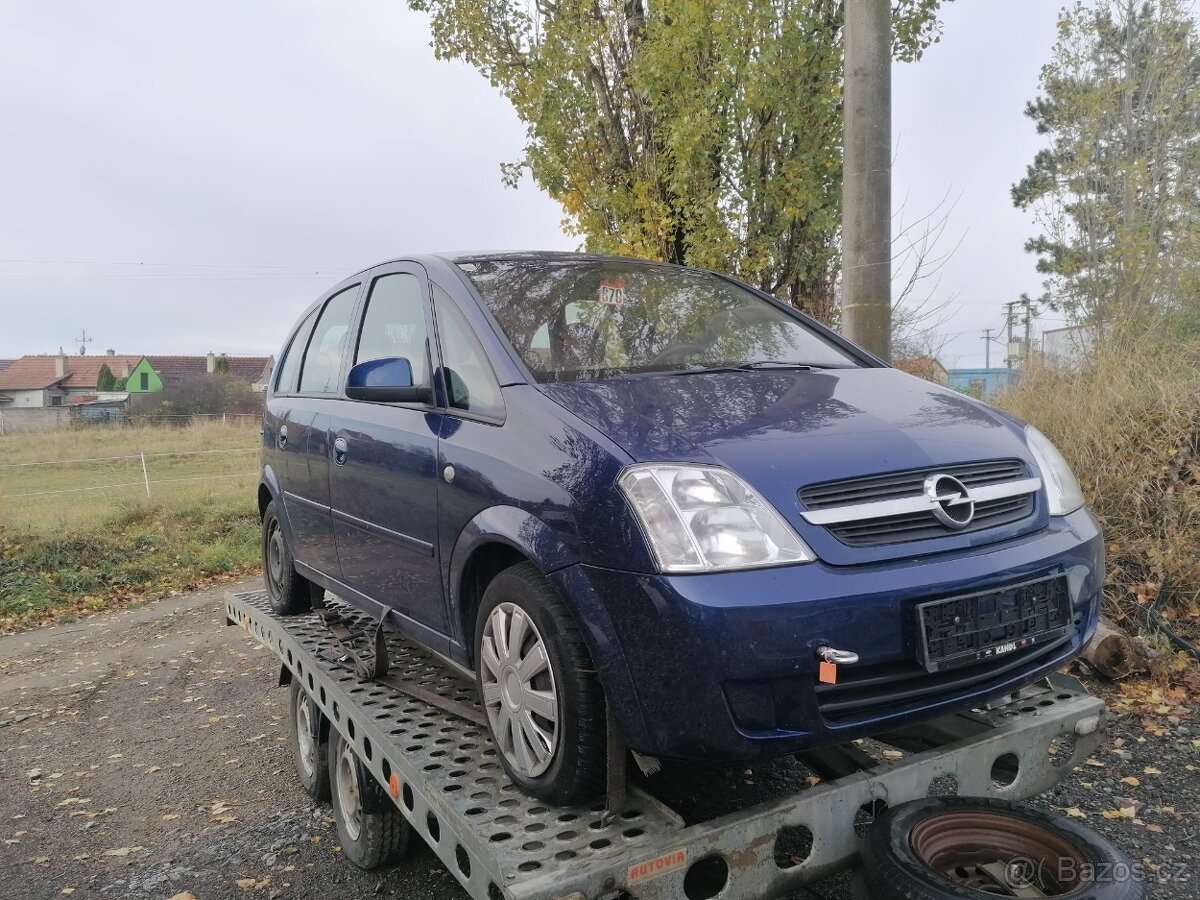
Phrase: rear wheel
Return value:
(371, 830)
(309, 742)
(290, 592)
(543, 700)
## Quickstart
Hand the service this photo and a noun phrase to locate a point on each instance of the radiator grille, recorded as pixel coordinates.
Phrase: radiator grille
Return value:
(922, 525)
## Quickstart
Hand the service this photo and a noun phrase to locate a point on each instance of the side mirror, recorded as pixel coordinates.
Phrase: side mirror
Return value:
(388, 380)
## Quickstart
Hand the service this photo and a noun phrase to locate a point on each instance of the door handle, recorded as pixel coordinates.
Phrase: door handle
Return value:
(341, 449)
(281, 438)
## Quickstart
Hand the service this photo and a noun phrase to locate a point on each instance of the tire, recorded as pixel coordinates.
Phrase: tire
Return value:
(312, 754)
(289, 592)
(567, 767)
(371, 830)
(954, 834)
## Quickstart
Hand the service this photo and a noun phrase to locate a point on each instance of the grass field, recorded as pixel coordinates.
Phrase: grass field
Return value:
(80, 479)
(79, 532)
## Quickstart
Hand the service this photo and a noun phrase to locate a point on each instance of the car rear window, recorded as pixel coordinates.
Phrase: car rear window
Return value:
(594, 319)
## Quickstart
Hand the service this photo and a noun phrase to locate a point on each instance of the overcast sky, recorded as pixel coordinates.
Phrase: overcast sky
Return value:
(178, 178)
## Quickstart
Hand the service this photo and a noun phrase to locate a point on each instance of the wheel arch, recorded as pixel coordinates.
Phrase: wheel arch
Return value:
(268, 490)
(503, 536)
(496, 539)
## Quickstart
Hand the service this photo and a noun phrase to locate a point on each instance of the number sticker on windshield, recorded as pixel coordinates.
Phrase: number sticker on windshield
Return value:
(612, 293)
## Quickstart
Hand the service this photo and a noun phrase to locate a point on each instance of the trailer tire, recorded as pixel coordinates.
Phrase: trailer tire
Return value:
(289, 591)
(932, 849)
(311, 755)
(371, 829)
(573, 770)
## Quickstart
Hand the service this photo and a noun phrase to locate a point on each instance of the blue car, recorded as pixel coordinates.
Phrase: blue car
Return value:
(614, 488)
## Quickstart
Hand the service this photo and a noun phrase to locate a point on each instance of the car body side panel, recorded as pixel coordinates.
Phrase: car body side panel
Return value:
(384, 499)
(305, 465)
(560, 478)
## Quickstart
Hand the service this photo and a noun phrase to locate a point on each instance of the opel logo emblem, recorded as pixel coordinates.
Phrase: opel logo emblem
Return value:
(951, 501)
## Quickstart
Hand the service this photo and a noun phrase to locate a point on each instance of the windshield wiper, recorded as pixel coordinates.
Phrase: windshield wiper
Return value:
(767, 364)
(775, 364)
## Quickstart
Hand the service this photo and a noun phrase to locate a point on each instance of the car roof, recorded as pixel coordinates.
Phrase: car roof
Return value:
(456, 257)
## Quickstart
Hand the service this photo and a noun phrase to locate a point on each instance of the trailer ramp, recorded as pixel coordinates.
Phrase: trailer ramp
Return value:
(444, 775)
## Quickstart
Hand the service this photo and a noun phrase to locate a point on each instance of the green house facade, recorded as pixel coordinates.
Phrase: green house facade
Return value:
(144, 379)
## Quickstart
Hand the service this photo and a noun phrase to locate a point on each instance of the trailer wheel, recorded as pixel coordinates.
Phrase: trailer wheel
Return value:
(544, 703)
(309, 742)
(290, 592)
(967, 848)
(371, 830)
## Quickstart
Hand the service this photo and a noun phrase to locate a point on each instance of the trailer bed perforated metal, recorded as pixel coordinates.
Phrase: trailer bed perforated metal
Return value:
(501, 844)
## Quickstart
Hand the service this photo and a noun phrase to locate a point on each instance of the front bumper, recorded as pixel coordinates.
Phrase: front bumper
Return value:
(723, 666)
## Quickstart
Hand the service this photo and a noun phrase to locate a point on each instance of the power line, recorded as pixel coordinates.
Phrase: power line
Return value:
(98, 262)
(168, 276)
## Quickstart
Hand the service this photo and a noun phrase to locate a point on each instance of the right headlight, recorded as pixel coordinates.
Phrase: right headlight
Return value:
(1062, 488)
(704, 518)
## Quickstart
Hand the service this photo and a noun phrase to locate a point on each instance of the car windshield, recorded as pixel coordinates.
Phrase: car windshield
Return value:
(588, 320)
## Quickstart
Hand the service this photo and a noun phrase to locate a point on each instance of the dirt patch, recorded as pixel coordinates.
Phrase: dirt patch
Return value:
(145, 755)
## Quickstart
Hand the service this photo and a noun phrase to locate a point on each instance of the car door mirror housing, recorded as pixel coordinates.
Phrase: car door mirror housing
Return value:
(388, 380)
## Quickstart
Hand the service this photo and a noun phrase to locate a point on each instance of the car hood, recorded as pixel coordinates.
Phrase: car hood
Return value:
(787, 429)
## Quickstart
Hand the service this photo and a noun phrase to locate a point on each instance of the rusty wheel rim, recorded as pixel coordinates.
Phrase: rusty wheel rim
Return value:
(999, 855)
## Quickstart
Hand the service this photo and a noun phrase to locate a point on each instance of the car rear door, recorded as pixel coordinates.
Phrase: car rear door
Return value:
(383, 480)
(302, 431)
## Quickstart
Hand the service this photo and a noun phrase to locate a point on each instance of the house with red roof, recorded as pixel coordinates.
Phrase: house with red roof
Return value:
(252, 370)
(62, 380)
(57, 380)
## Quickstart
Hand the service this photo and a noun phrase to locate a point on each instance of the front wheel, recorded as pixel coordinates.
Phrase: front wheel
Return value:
(544, 703)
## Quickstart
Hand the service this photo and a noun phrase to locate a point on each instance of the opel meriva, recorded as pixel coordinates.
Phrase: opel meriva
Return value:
(613, 487)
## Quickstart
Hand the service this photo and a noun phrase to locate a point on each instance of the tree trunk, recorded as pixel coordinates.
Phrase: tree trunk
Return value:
(1112, 653)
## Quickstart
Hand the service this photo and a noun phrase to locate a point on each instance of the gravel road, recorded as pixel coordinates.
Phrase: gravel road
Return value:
(143, 754)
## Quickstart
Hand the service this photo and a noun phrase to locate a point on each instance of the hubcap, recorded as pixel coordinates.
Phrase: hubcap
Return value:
(275, 554)
(519, 692)
(304, 735)
(347, 790)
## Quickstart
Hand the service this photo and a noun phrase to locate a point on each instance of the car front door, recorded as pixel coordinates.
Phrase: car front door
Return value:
(383, 479)
(302, 431)
(474, 412)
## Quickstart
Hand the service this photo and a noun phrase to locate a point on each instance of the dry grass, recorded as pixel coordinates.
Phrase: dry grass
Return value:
(1129, 425)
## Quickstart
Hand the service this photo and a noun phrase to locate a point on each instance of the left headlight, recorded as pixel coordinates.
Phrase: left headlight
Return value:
(704, 518)
(1062, 487)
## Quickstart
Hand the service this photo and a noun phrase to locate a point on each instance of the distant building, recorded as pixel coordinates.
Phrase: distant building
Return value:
(62, 380)
(1068, 348)
(926, 367)
(982, 383)
(102, 407)
(161, 372)
(44, 380)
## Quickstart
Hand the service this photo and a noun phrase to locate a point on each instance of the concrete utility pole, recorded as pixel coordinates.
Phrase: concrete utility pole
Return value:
(1030, 313)
(867, 177)
(1010, 319)
(987, 348)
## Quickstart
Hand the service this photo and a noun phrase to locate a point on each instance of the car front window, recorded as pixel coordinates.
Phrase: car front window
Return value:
(593, 319)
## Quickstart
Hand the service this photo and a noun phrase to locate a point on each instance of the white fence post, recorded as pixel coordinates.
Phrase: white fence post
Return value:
(145, 474)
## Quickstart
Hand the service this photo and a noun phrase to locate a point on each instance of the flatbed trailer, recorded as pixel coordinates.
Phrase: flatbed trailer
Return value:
(444, 775)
